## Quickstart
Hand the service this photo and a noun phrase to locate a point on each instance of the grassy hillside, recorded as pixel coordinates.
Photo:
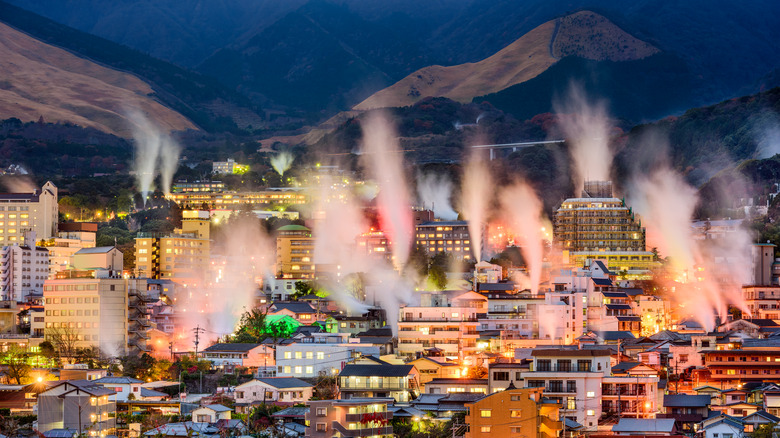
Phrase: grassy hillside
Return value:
(189, 93)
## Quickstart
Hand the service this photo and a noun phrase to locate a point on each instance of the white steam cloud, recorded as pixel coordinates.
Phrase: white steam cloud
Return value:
(383, 161)
(475, 200)
(155, 151)
(523, 211)
(434, 192)
(281, 162)
(586, 126)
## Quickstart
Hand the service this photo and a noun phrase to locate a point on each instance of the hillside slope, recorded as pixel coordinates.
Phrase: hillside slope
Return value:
(42, 80)
(584, 34)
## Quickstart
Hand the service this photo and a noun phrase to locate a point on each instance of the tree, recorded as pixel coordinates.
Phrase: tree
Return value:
(64, 340)
(140, 367)
(251, 328)
(15, 360)
(325, 388)
(764, 431)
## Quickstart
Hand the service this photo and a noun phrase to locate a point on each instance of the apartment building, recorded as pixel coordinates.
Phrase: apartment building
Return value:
(34, 211)
(451, 237)
(733, 367)
(183, 254)
(356, 417)
(23, 270)
(295, 253)
(320, 354)
(71, 237)
(218, 199)
(228, 167)
(106, 312)
(401, 382)
(514, 412)
(762, 302)
(448, 324)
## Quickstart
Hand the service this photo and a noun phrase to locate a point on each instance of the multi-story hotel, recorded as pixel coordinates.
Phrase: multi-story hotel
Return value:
(449, 325)
(36, 211)
(232, 200)
(87, 311)
(599, 226)
(71, 237)
(294, 252)
(439, 236)
(23, 270)
(183, 254)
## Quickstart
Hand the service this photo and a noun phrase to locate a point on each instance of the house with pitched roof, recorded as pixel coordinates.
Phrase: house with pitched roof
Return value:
(228, 356)
(276, 390)
(211, 413)
(77, 404)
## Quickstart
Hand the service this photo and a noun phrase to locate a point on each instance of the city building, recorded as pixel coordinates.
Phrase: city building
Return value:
(502, 375)
(451, 237)
(36, 211)
(449, 325)
(228, 167)
(356, 417)
(79, 405)
(229, 356)
(733, 367)
(107, 258)
(183, 254)
(430, 368)
(399, 382)
(197, 186)
(600, 226)
(320, 354)
(294, 253)
(106, 312)
(123, 386)
(211, 413)
(23, 270)
(71, 237)
(277, 390)
(514, 412)
(457, 385)
(232, 200)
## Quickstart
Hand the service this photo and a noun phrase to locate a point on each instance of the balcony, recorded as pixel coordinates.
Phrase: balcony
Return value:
(374, 387)
(563, 369)
(622, 393)
(440, 320)
(356, 418)
(372, 431)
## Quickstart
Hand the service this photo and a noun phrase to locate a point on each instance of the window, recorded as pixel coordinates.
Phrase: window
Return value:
(485, 413)
(591, 412)
(309, 370)
(320, 355)
(298, 370)
(501, 375)
(591, 394)
(322, 412)
(322, 427)
(515, 413)
(484, 429)
(288, 354)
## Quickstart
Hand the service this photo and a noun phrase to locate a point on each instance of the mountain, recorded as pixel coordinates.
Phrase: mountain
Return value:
(202, 100)
(583, 34)
(39, 80)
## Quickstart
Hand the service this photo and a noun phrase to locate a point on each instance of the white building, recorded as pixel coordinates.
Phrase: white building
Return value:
(36, 211)
(72, 236)
(23, 270)
(123, 386)
(272, 390)
(320, 354)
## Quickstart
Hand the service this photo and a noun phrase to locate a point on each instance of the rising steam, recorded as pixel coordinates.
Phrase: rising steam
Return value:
(475, 200)
(586, 126)
(155, 150)
(434, 192)
(281, 162)
(523, 211)
(383, 160)
(708, 274)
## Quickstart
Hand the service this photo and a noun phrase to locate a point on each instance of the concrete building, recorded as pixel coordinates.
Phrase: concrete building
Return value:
(440, 322)
(122, 386)
(357, 417)
(763, 255)
(78, 405)
(295, 253)
(107, 258)
(602, 227)
(514, 412)
(228, 167)
(183, 254)
(71, 237)
(379, 380)
(105, 312)
(23, 269)
(451, 237)
(233, 200)
(36, 211)
(320, 354)
(230, 356)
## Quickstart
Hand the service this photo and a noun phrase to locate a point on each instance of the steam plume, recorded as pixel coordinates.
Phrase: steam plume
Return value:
(586, 126)
(384, 163)
(475, 200)
(281, 162)
(523, 210)
(434, 192)
(154, 149)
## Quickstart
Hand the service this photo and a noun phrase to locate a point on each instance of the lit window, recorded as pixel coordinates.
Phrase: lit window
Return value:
(485, 429)
(485, 413)
(591, 412)
(591, 394)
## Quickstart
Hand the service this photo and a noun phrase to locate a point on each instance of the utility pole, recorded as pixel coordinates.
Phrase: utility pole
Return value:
(197, 331)
(170, 347)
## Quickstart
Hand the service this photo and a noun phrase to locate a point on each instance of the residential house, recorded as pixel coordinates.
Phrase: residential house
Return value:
(431, 368)
(302, 312)
(211, 413)
(645, 427)
(122, 386)
(687, 410)
(722, 426)
(320, 354)
(503, 374)
(449, 386)
(277, 390)
(514, 412)
(77, 404)
(356, 417)
(230, 356)
(758, 419)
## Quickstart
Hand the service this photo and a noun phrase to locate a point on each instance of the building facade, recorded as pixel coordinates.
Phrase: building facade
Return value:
(451, 237)
(295, 253)
(514, 412)
(366, 417)
(23, 270)
(183, 254)
(37, 211)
